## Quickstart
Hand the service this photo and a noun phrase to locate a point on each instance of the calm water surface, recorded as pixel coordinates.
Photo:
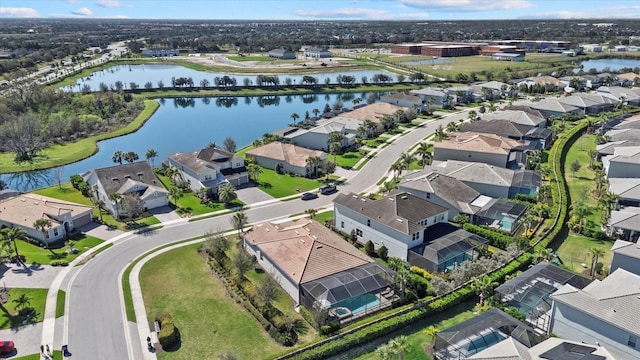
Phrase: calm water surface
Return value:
(187, 124)
(612, 64)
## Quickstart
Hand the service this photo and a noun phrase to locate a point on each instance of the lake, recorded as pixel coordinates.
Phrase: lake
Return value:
(613, 64)
(187, 124)
(141, 74)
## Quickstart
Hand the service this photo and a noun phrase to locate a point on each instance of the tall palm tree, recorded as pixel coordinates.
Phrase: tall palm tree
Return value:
(387, 186)
(295, 117)
(483, 286)
(396, 167)
(171, 173)
(239, 221)
(405, 160)
(399, 345)
(315, 112)
(254, 171)
(43, 224)
(11, 234)
(115, 199)
(453, 126)
(423, 152)
(174, 192)
(370, 126)
(99, 204)
(227, 193)
(595, 255)
(431, 332)
(313, 162)
(151, 155)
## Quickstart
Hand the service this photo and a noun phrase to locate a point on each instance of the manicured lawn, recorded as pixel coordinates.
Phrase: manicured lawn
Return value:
(37, 299)
(43, 256)
(348, 159)
(321, 217)
(57, 355)
(574, 252)
(281, 185)
(188, 203)
(374, 143)
(57, 155)
(416, 338)
(250, 58)
(60, 303)
(179, 282)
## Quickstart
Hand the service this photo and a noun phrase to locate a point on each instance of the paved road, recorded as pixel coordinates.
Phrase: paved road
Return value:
(95, 321)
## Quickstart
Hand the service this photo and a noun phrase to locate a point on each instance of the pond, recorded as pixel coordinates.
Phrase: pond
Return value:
(427, 62)
(187, 124)
(141, 74)
(612, 64)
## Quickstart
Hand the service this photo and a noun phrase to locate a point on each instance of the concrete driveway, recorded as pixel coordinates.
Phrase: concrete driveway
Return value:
(251, 194)
(29, 276)
(165, 214)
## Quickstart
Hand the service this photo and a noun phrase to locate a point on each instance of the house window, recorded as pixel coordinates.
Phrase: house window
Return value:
(358, 232)
(442, 217)
(55, 232)
(369, 222)
(415, 236)
(428, 195)
(633, 341)
(342, 224)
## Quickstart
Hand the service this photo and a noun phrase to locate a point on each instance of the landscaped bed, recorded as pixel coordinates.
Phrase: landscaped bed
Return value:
(35, 307)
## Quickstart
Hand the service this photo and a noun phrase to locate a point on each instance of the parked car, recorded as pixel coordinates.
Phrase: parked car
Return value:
(328, 188)
(308, 196)
(6, 347)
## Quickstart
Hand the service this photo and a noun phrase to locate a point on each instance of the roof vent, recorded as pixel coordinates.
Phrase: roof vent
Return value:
(127, 176)
(114, 179)
(390, 198)
(405, 197)
(319, 247)
(139, 174)
(35, 203)
(399, 220)
(297, 233)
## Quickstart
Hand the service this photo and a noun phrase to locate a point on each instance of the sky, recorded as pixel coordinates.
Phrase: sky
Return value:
(322, 9)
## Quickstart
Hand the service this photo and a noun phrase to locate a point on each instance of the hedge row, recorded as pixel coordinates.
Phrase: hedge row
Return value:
(495, 238)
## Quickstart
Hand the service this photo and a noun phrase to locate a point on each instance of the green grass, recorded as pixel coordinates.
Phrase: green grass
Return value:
(36, 254)
(321, 217)
(180, 283)
(349, 158)
(281, 185)
(64, 192)
(250, 58)
(574, 252)
(37, 302)
(417, 340)
(189, 203)
(57, 355)
(60, 302)
(58, 155)
(374, 143)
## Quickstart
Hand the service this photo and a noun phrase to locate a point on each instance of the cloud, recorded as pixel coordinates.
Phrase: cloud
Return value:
(347, 13)
(18, 12)
(108, 3)
(615, 12)
(72, 1)
(83, 11)
(467, 5)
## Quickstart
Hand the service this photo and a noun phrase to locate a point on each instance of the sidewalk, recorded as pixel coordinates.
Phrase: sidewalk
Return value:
(29, 276)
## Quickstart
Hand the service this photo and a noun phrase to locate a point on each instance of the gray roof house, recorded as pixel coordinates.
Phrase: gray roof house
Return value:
(617, 134)
(402, 99)
(398, 221)
(471, 146)
(490, 180)
(315, 52)
(625, 223)
(586, 104)
(135, 179)
(603, 313)
(517, 116)
(551, 348)
(282, 54)
(318, 136)
(511, 130)
(624, 163)
(210, 168)
(630, 96)
(437, 97)
(609, 148)
(627, 189)
(553, 107)
(626, 255)
(496, 88)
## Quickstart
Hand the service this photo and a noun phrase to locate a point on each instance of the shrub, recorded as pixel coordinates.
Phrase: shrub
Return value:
(369, 248)
(383, 253)
(422, 272)
(168, 335)
(306, 314)
(495, 238)
(59, 263)
(330, 328)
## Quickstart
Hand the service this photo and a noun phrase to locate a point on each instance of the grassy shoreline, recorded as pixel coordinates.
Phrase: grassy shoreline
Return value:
(59, 155)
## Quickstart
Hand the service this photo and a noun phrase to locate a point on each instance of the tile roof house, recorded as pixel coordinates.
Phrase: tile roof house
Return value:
(624, 163)
(604, 312)
(304, 252)
(627, 189)
(135, 179)
(292, 158)
(549, 82)
(479, 147)
(625, 223)
(22, 210)
(529, 117)
(490, 180)
(374, 112)
(210, 168)
(398, 221)
(511, 130)
(626, 255)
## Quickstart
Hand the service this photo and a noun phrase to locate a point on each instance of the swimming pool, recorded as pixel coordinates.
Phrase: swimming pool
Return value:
(455, 257)
(359, 303)
(482, 342)
(506, 223)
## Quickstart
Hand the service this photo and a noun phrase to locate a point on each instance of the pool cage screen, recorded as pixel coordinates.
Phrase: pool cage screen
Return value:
(478, 333)
(345, 285)
(530, 291)
(498, 210)
(444, 253)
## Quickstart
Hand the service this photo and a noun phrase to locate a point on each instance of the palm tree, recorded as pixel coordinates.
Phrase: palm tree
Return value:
(22, 302)
(405, 160)
(43, 224)
(529, 220)
(130, 156)
(399, 345)
(118, 156)
(431, 332)
(384, 352)
(473, 115)
(334, 148)
(254, 171)
(579, 210)
(174, 192)
(11, 234)
(295, 117)
(542, 255)
(239, 221)
(171, 173)
(396, 167)
(370, 126)
(424, 153)
(227, 193)
(387, 186)
(440, 134)
(99, 204)
(115, 199)
(151, 155)
(315, 112)
(595, 255)
(483, 287)
(313, 162)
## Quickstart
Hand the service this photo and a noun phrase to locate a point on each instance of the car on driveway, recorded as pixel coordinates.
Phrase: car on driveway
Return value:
(6, 347)
(328, 188)
(308, 196)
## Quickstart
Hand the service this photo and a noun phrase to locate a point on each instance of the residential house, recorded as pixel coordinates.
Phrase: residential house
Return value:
(549, 83)
(314, 265)
(403, 99)
(604, 103)
(489, 180)
(628, 79)
(603, 313)
(398, 221)
(317, 53)
(627, 190)
(626, 255)
(627, 96)
(625, 224)
(478, 147)
(518, 115)
(282, 54)
(609, 148)
(553, 107)
(574, 81)
(495, 89)
(593, 81)
(596, 48)
(23, 210)
(374, 112)
(210, 168)
(434, 97)
(632, 122)
(134, 179)
(552, 348)
(587, 105)
(624, 163)
(511, 130)
(464, 94)
(290, 158)
(318, 137)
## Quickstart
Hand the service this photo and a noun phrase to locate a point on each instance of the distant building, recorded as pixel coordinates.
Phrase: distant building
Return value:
(448, 50)
(500, 56)
(318, 53)
(282, 54)
(160, 52)
(594, 48)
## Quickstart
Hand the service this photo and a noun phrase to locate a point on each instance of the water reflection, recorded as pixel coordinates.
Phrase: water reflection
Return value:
(27, 181)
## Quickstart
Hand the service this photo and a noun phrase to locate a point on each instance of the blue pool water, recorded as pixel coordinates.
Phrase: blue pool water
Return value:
(359, 303)
(506, 223)
(483, 342)
(451, 259)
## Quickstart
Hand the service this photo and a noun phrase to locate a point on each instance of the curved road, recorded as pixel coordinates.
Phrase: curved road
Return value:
(94, 327)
